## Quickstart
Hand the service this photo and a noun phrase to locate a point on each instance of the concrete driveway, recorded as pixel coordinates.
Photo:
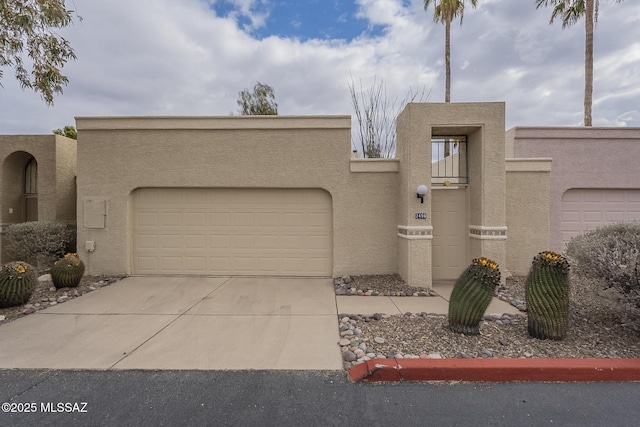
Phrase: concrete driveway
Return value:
(183, 323)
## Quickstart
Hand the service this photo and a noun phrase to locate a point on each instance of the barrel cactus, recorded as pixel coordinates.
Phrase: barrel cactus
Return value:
(471, 296)
(67, 272)
(17, 282)
(547, 296)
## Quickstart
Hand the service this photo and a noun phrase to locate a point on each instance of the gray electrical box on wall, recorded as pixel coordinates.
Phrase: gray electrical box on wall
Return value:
(95, 213)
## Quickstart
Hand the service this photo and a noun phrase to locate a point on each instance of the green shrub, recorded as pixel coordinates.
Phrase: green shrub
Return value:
(610, 255)
(40, 241)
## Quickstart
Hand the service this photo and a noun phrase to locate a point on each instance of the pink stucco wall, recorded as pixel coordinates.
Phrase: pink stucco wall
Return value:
(581, 158)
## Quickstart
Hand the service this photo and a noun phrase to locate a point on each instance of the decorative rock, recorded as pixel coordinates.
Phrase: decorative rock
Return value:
(63, 298)
(466, 356)
(2, 317)
(527, 354)
(53, 302)
(52, 289)
(348, 356)
(486, 353)
(434, 356)
(344, 342)
(346, 280)
(377, 316)
(379, 340)
(347, 333)
(433, 294)
(29, 310)
(347, 365)
(340, 292)
(44, 278)
(357, 331)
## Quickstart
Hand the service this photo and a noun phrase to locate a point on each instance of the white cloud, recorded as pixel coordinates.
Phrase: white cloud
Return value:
(178, 58)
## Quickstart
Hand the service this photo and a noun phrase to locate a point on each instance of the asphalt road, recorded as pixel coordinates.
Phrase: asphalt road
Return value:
(248, 398)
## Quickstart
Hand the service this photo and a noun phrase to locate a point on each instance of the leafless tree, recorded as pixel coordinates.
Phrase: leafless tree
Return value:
(376, 116)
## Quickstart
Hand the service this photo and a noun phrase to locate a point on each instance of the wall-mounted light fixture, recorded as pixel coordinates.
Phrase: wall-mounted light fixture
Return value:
(422, 190)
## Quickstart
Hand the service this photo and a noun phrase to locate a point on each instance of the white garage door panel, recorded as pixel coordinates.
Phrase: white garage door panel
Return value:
(232, 231)
(587, 208)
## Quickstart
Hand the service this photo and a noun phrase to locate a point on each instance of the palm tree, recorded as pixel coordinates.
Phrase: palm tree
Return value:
(571, 11)
(445, 11)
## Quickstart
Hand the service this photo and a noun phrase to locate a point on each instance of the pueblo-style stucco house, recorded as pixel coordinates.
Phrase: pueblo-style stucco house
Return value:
(283, 195)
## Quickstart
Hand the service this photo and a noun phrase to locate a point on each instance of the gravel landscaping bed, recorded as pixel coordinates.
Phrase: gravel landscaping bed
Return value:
(46, 295)
(601, 325)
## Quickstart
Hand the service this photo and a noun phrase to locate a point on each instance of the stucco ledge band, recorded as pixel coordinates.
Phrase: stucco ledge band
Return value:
(414, 232)
(487, 233)
(497, 370)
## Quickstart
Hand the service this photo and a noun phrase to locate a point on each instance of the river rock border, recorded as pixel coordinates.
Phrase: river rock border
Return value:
(356, 348)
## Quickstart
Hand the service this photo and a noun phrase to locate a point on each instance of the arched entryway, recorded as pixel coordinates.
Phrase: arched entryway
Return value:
(19, 188)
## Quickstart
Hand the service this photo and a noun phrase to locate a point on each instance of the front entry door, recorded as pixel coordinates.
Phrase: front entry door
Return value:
(450, 229)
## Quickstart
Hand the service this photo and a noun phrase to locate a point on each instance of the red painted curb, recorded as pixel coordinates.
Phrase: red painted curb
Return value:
(497, 370)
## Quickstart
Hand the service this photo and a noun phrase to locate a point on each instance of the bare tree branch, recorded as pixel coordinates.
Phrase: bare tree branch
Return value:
(376, 117)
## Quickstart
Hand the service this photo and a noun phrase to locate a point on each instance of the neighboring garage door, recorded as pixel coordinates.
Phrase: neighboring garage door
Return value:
(586, 208)
(278, 232)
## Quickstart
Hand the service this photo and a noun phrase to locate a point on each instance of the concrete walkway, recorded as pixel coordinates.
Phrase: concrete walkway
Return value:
(199, 323)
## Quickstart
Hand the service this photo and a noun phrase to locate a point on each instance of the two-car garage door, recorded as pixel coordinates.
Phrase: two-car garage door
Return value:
(207, 231)
(587, 208)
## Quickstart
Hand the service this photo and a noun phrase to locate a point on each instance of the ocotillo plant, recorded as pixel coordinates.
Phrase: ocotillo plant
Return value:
(471, 296)
(547, 296)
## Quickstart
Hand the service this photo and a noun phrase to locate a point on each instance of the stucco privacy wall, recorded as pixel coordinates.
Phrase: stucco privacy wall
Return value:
(588, 158)
(483, 125)
(527, 211)
(56, 171)
(234, 152)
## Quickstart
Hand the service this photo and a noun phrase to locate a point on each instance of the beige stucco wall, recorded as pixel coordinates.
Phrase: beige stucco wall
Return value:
(483, 124)
(235, 152)
(582, 158)
(66, 161)
(414, 235)
(527, 211)
(55, 157)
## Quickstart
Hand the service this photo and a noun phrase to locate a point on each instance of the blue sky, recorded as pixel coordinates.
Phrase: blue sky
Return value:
(304, 20)
(193, 57)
